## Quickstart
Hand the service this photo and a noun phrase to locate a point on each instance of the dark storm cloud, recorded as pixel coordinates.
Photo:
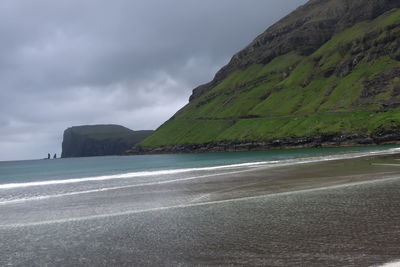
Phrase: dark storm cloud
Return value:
(133, 63)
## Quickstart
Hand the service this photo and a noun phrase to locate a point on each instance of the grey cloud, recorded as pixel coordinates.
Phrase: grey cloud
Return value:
(135, 63)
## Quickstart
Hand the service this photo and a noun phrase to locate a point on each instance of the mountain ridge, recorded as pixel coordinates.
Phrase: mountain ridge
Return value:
(268, 45)
(326, 74)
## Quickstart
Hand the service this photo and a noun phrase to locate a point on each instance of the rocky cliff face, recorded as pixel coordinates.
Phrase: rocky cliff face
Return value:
(327, 74)
(99, 140)
(303, 31)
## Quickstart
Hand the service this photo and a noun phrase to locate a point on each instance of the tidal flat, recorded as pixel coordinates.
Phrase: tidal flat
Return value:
(328, 213)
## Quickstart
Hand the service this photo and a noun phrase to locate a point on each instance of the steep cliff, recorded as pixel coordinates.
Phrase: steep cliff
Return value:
(99, 140)
(327, 74)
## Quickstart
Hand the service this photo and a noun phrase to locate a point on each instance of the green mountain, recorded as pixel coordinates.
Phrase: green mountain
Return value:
(99, 140)
(327, 74)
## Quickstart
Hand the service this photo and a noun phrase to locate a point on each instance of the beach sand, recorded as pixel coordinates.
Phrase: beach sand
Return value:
(331, 213)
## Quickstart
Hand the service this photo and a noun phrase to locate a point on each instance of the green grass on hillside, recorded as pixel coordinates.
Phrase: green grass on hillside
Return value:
(110, 132)
(263, 129)
(294, 96)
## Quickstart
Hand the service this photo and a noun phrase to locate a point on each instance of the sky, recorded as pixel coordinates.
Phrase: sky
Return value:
(129, 62)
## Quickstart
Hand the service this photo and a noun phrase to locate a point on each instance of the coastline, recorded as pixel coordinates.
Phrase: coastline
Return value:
(195, 186)
(307, 176)
(327, 213)
(334, 140)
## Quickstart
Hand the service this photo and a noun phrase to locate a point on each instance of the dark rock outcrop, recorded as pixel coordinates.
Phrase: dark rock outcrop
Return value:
(282, 143)
(99, 140)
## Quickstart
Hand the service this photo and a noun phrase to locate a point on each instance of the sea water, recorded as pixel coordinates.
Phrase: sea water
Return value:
(23, 180)
(153, 210)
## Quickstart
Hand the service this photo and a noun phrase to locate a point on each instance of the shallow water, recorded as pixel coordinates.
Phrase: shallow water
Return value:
(50, 170)
(344, 226)
(45, 179)
(322, 209)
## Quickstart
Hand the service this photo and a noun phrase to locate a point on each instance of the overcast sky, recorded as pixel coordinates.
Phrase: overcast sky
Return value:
(127, 62)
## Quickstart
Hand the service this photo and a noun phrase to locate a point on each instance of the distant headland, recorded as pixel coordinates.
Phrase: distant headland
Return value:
(100, 140)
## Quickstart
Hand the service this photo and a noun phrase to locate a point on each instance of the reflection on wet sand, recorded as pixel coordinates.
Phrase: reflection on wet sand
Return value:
(336, 213)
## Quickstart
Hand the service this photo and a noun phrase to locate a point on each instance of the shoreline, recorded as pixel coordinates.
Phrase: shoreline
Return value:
(325, 141)
(330, 213)
(263, 164)
(326, 213)
(205, 204)
(208, 188)
(264, 181)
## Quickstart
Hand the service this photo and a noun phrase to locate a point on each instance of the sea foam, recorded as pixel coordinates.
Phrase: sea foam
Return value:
(391, 264)
(266, 164)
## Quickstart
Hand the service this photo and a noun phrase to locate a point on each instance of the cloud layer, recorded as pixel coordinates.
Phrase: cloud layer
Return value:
(126, 62)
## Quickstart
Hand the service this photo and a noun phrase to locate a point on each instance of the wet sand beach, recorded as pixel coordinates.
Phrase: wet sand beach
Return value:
(330, 213)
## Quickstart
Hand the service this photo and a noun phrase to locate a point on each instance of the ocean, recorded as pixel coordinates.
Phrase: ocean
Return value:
(322, 206)
(27, 173)
(38, 179)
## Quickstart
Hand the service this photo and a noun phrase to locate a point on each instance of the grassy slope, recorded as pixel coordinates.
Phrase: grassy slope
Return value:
(291, 97)
(110, 132)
